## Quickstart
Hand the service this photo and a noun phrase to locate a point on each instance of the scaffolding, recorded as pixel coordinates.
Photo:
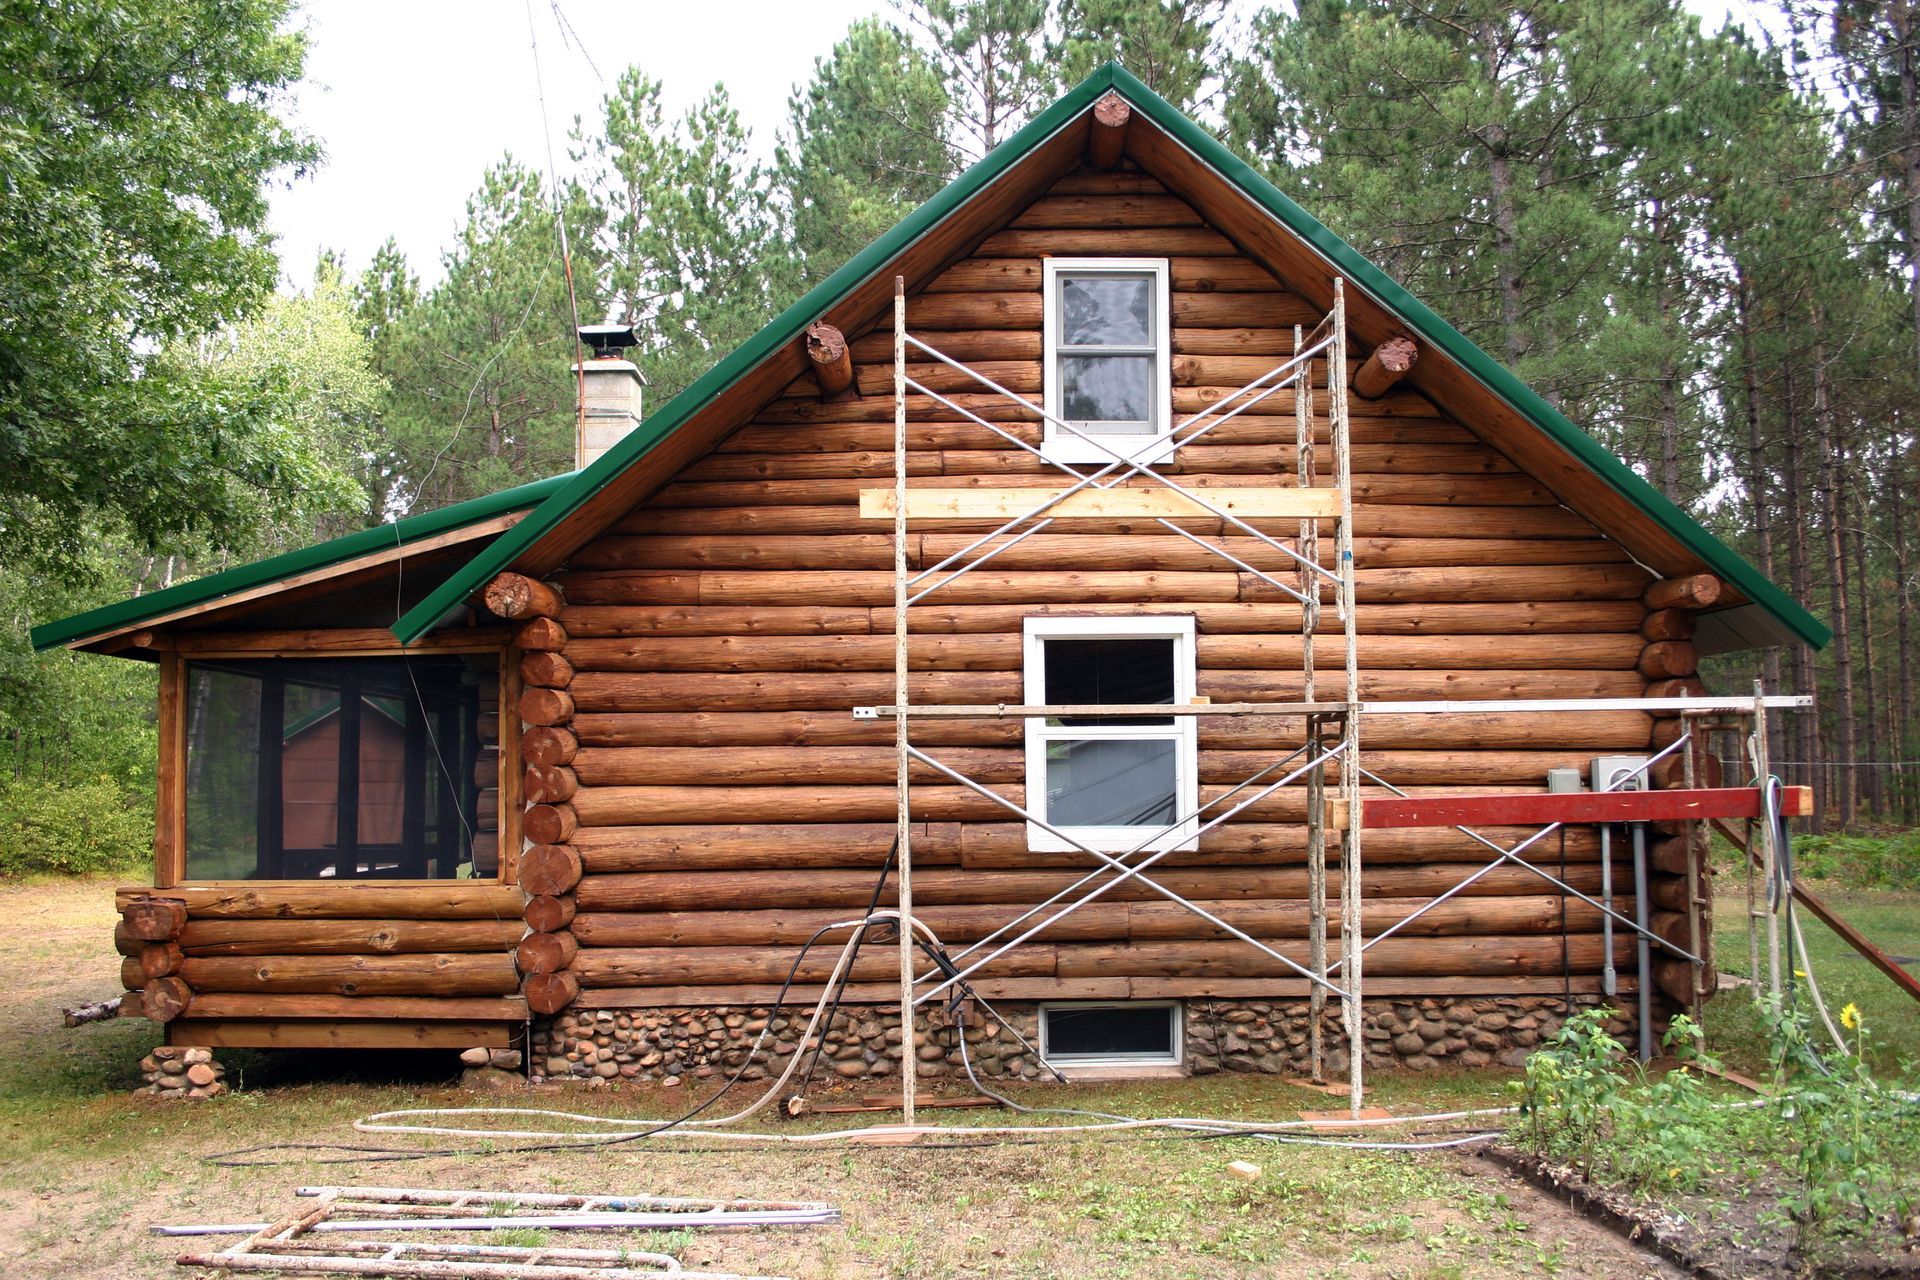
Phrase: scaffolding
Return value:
(1332, 726)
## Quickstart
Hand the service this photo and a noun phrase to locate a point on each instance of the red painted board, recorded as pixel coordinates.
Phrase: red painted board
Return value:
(1578, 807)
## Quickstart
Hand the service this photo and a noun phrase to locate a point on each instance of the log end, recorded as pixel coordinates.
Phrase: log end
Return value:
(550, 992)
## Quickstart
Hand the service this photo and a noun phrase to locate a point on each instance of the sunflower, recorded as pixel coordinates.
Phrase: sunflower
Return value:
(1850, 1017)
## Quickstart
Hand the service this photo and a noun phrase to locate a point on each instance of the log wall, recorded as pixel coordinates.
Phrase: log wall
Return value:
(711, 801)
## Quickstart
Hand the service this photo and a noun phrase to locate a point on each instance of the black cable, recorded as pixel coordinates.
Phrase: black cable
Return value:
(840, 988)
(381, 1155)
(1566, 943)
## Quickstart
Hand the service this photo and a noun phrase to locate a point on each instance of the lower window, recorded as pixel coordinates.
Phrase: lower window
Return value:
(353, 768)
(1133, 1033)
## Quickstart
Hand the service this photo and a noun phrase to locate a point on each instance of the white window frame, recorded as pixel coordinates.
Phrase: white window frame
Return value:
(1182, 732)
(1062, 446)
(1176, 1015)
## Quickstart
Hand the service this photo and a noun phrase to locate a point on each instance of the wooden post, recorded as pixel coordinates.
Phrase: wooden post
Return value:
(1316, 780)
(1762, 768)
(909, 1052)
(1391, 361)
(830, 358)
(1350, 870)
(1107, 136)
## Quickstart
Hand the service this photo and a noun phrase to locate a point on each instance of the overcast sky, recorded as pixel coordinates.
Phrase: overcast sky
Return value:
(413, 99)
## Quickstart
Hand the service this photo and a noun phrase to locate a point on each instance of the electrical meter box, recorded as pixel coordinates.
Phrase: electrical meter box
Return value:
(1564, 781)
(1620, 773)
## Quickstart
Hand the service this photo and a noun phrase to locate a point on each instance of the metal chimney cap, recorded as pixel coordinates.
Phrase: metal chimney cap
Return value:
(607, 341)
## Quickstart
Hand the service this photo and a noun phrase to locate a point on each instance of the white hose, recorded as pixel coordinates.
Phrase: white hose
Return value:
(391, 1121)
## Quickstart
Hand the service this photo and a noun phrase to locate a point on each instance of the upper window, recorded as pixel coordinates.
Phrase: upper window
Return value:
(1107, 367)
(350, 769)
(1113, 783)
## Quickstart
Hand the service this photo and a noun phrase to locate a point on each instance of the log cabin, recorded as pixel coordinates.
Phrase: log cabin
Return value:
(621, 783)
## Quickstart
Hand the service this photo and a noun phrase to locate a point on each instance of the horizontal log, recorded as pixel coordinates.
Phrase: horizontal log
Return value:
(540, 635)
(812, 691)
(1261, 461)
(545, 669)
(153, 919)
(957, 344)
(1488, 584)
(549, 912)
(1390, 362)
(1106, 133)
(944, 886)
(801, 766)
(514, 595)
(345, 1033)
(547, 745)
(223, 1006)
(829, 358)
(600, 967)
(158, 959)
(1668, 659)
(1368, 489)
(549, 868)
(1515, 617)
(1621, 806)
(545, 952)
(1131, 211)
(1695, 591)
(1617, 730)
(1003, 846)
(545, 706)
(548, 784)
(547, 993)
(1668, 624)
(969, 652)
(213, 937)
(1270, 430)
(549, 823)
(1108, 242)
(1099, 921)
(164, 999)
(366, 900)
(421, 974)
(132, 976)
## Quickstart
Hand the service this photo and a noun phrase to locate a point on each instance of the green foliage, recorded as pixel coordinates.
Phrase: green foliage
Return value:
(78, 826)
(136, 140)
(1834, 1144)
(1168, 44)
(1890, 861)
(866, 144)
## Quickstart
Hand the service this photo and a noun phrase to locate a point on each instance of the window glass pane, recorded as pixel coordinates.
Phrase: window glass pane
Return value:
(352, 768)
(1115, 391)
(1111, 783)
(1127, 1031)
(1106, 311)
(1108, 671)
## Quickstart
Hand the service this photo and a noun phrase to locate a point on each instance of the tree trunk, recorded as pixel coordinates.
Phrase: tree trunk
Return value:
(1505, 218)
(1757, 479)
(1868, 772)
(1903, 739)
(1800, 578)
(1909, 153)
(1669, 370)
(1844, 801)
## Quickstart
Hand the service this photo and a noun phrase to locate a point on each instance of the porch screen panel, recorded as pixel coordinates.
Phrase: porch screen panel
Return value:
(360, 768)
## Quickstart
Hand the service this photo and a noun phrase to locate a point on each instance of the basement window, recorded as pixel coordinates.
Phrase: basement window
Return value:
(344, 769)
(1108, 373)
(1133, 1033)
(1112, 783)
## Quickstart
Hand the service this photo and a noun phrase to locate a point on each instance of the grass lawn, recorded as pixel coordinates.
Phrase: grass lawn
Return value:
(1891, 920)
(84, 1166)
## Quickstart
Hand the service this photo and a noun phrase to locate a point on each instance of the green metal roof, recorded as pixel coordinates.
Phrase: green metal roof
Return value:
(131, 613)
(1420, 319)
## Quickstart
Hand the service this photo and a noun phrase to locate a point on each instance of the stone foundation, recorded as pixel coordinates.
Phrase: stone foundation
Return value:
(177, 1071)
(671, 1045)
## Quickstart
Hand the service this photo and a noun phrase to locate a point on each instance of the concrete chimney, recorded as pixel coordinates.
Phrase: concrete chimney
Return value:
(611, 387)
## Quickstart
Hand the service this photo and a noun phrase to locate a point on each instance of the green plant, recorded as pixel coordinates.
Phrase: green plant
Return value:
(72, 828)
(1846, 1133)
